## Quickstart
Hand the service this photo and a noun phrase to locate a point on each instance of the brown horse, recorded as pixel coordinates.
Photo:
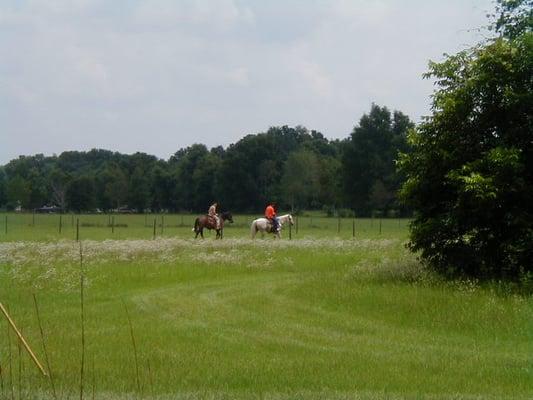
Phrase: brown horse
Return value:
(205, 221)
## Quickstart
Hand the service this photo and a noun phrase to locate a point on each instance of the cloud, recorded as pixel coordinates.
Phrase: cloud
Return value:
(188, 14)
(156, 75)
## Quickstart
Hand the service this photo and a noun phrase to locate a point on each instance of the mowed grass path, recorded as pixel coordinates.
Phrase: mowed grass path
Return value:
(315, 318)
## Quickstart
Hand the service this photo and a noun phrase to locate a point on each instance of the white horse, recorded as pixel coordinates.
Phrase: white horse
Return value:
(264, 225)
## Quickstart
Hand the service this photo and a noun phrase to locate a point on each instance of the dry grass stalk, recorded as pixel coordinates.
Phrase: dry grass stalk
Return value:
(82, 324)
(134, 349)
(46, 358)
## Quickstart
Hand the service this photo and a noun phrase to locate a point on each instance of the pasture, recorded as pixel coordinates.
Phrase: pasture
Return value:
(46, 227)
(325, 315)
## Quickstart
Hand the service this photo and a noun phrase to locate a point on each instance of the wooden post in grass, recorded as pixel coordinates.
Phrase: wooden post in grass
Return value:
(77, 229)
(60, 223)
(155, 222)
(380, 226)
(22, 340)
(290, 231)
(82, 369)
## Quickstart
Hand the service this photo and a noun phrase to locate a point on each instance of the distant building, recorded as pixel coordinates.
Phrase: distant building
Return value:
(48, 209)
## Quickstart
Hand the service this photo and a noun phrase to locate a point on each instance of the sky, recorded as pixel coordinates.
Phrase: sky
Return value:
(159, 75)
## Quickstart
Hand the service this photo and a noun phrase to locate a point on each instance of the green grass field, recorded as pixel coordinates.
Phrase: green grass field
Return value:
(322, 316)
(47, 227)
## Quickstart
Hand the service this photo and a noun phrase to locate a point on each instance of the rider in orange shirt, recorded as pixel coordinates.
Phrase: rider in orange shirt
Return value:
(270, 214)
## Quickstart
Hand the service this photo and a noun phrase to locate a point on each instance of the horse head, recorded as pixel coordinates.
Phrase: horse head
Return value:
(226, 216)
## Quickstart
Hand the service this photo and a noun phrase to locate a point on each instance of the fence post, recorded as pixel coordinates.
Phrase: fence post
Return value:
(155, 222)
(380, 226)
(77, 229)
(290, 231)
(60, 223)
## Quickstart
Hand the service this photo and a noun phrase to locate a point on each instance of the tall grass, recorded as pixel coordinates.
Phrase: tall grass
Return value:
(320, 316)
(45, 352)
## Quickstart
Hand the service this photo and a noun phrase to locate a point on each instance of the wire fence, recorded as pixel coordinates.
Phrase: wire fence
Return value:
(34, 226)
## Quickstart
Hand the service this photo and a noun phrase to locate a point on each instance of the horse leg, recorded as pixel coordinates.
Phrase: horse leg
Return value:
(195, 229)
(202, 232)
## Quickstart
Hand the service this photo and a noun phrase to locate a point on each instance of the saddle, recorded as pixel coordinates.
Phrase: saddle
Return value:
(212, 220)
(270, 226)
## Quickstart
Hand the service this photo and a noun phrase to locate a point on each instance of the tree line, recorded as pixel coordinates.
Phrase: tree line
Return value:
(293, 166)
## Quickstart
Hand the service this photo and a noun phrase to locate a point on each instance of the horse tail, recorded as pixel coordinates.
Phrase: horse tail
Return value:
(196, 225)
(253, 229)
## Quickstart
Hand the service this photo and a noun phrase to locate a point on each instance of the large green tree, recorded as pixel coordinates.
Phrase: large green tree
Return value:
(300, 181)
(81, 194)
(369, 176)
(139, 189)
(195, 176)
(162, 189)
(470, 175)
(58, 182)
(112, 187)
(18, 192)
(3, 184)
